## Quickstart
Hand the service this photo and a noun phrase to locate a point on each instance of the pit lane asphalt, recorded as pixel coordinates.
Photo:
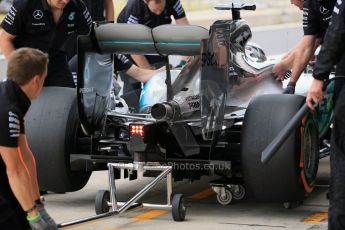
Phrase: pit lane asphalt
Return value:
(203, 210)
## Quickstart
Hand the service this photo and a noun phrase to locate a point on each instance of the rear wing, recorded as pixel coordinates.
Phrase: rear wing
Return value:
(95, 65)
(139, 39)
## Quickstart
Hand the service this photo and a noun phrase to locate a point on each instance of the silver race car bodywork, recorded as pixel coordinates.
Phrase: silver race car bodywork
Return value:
(221, 109)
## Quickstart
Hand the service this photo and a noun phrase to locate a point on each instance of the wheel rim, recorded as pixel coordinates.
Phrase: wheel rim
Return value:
(238, 193)
(226, 198)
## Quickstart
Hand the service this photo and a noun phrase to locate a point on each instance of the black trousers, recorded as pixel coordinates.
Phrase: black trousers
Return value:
(336, 219)
(15, 222)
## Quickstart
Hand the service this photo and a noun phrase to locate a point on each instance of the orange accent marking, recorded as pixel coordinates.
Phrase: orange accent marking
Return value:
(203, 194)
(306, 186)
(150, 215)
(317, 217)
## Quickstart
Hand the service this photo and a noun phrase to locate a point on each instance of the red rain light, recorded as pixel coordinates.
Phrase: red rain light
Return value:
(136, 129)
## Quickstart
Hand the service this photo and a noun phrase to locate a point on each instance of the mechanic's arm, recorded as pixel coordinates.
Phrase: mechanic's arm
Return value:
(297, 59)
(29, 161)
(6, 43)
(141, 61)
(182, 21)
(142, 75)
(18, 178)
(109, 10)
(332, 50)
(302, 55)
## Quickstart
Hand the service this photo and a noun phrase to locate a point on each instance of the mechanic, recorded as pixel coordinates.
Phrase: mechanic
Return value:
(20, 205)
(151, 13)
(45, 25)
(316, 17)
(332, 51)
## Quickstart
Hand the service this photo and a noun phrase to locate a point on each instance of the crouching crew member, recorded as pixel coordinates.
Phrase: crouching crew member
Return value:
(20, 206)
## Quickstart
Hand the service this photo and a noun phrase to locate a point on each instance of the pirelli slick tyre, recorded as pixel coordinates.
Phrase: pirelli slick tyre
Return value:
(52, 124)
(291, 173)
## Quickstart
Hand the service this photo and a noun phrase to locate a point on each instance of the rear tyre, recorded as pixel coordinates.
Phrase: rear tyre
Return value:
(291, 173)
(52, 125)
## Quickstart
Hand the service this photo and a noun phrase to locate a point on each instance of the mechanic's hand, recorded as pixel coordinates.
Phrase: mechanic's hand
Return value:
(181, 64)
(47, 218)
(37, 223)
(315, 93)
(44, 214)
(290, 88)
(279, 71)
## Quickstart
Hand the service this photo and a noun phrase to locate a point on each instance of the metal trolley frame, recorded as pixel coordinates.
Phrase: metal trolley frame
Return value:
(174, 203)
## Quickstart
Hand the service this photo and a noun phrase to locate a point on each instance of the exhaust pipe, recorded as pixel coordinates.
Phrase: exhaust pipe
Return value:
(167, 111)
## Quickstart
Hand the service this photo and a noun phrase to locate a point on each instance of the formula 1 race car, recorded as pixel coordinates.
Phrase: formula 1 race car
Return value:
(215, 115)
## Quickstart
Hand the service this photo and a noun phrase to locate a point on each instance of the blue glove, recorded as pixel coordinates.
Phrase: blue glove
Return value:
(290, 88)
(181, 64)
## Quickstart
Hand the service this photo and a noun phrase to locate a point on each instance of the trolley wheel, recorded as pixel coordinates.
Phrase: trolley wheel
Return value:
(224, 197)
(101, 202)
(238, 192)
(178, 207)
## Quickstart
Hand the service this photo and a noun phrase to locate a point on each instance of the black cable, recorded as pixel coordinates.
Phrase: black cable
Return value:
(167, 68)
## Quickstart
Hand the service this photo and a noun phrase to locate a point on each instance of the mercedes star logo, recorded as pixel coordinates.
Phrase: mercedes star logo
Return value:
(323, 10)
(38, 14)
